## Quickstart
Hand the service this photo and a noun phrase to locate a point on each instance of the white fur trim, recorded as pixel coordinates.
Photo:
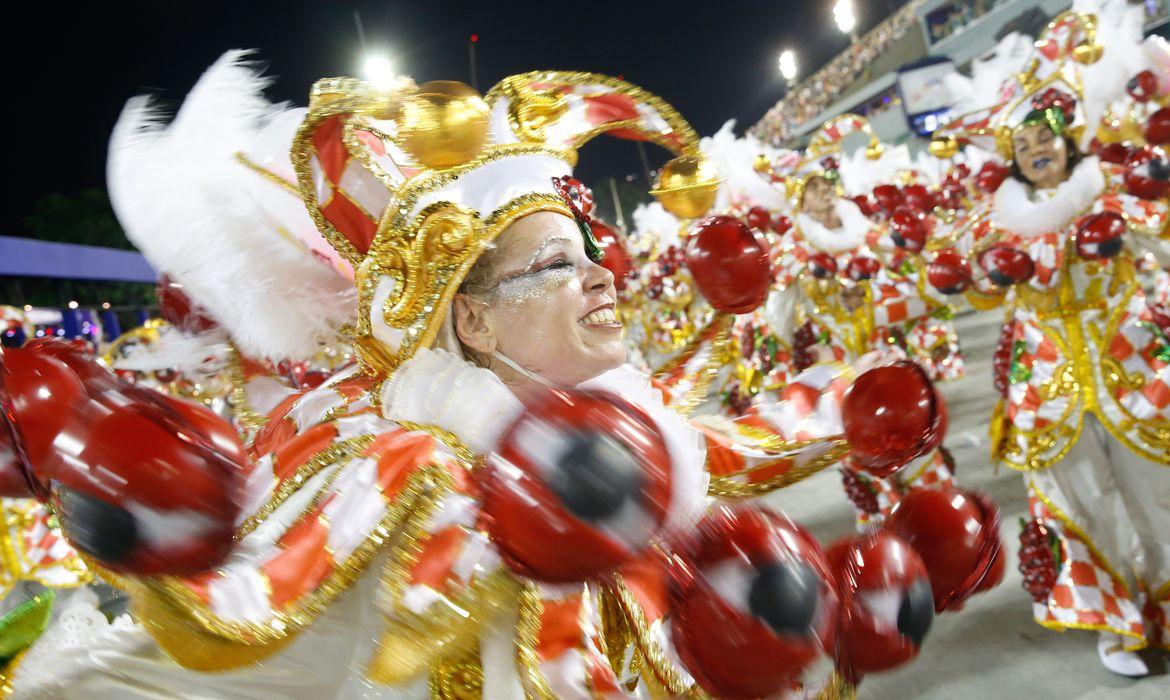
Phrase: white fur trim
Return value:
(734, 159)
(850, 236)
(1015, 207)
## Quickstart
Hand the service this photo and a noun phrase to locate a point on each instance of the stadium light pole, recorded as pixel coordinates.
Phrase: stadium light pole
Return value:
(845, 19)
(788, 67)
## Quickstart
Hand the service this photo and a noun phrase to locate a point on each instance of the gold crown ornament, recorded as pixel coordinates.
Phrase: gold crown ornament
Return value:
(411, 184)
(1050, 89)
(822, 153)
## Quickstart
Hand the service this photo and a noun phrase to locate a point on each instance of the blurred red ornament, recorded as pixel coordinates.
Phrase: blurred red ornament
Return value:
(576, 193)
(752, 602)
(862, 268)
(961, 172)
(579, 486)
(908, 229)
(1142, 86)
(1039, 560)
(1001, 359)
(891, 414)
(957, 535)
(142, 482)
(886, 603)
(919, 197)
(1059, 99)
(179, 310)
(858, 491)
(1158, 128)
(1006, 266)
(759, 219)
(888, 197)
(865, 204)
(1147, 173)
(1116, 153)
(1100, 235)
(991, 176)
(13, 483)
(616, 259)
(822, 265)
(729, 263)
(781, 225)
(949, 272)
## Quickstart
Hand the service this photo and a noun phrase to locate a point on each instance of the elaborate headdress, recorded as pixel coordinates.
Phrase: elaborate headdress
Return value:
(822, 156)
(1063, 83)
(410, 185)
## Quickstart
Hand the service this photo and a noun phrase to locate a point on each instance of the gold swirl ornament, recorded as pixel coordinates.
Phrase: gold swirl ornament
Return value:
(686, 186)
(444, 124)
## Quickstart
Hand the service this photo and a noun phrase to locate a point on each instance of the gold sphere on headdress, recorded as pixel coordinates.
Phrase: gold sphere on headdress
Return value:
(1088, 54)
(444, 124)
(944, 147)
(874, 151)
(686, 186)
(762, 164)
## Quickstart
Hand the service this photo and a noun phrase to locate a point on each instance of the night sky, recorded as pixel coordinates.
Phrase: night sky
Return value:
(713, 61)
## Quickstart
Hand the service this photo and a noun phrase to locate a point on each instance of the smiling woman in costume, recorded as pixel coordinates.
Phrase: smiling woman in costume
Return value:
(436, 518)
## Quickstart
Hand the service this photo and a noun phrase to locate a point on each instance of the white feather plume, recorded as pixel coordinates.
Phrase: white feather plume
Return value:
(984, 86)
(734, 158)
(193, 210)
(654, 225)
(193, 355)
(859, 174)
(1119, 30)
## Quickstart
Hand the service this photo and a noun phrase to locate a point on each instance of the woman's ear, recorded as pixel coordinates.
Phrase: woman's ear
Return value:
(473, 324)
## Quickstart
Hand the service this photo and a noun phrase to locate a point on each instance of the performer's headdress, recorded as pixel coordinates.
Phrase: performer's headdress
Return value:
(1050, 89)
(822, 156)
(411, 185)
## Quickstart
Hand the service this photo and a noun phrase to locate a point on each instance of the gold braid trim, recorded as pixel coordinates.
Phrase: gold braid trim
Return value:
(241, 408)
(527, 632)
(731, 487)
(656, 668)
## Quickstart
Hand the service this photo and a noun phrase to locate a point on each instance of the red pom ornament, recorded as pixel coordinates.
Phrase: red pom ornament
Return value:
(865, 204)
(1100, 235)
(919, 197)
(781, 225)
(1147, 173)
(908, 229)
(1039, 559)
(759, 219)
(579, 486)
(957, 535)
(862, 268)
(1158, 127)
(729, 263)
(1116, 153)
(752, 603)
(888, 197)
(1006, 266)
(891, 415)
(886, 603)
(142, 482)
(949, 272)
(990, 177)
(822, 265)
(1142, 86)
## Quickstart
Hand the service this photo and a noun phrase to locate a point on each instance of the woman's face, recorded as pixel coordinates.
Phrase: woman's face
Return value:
(548, 307)
(1041, 155)
(819, 197)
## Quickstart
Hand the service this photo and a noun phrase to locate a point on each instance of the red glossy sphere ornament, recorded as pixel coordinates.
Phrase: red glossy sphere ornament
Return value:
(822, 265)
(862, 268)
(616, 259)
(891, 415)
(729, 263)
(1147, 173)
(1038, 560)
(908, 229)
(142, 482)
(13, 483)
(888, 197)
(1116, 153)
(949, 272)
(1006, 266)
(919, 197)
(579, 486)
(752, 603)
(887, 607)
(1158, 127)
(1100, 235)
(179, 310)
(759, 219)
(990, 177)
(1142, 86)
(781, 225)
(865, 204)
(956, 533)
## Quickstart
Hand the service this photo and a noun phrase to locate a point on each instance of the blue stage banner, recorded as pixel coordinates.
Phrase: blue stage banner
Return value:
(25, 257)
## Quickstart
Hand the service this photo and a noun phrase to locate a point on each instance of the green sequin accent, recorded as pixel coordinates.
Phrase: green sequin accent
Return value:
(24, 625)
(593, 250)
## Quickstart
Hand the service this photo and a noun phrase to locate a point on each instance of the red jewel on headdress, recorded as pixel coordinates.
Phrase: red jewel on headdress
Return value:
(579, 197)
(1052, 97)
(830, 163)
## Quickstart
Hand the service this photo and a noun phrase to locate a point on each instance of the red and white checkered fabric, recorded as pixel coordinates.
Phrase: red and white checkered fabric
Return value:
(32, 549)
(1086, 595)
